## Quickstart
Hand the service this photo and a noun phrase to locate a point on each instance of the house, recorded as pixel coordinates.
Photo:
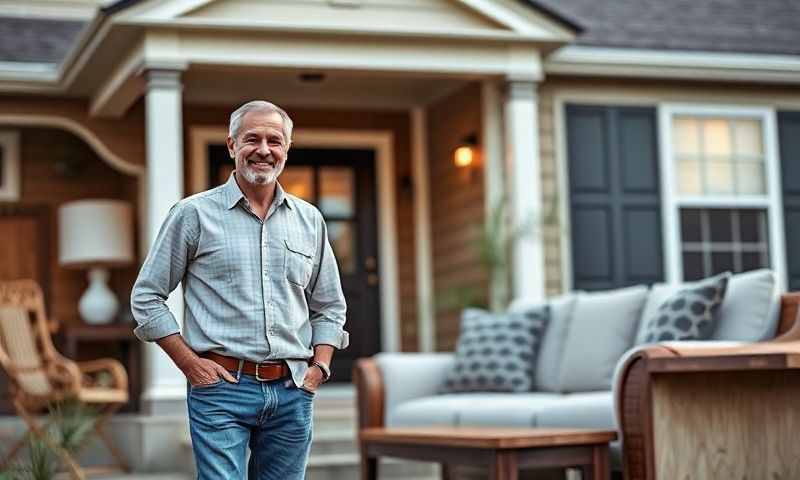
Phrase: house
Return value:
(632, 141)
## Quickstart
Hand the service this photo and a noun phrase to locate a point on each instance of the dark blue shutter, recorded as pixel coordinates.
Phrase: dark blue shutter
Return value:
(615, 201)
(789, 140)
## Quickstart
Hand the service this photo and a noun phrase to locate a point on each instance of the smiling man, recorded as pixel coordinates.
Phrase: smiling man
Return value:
(264, 307)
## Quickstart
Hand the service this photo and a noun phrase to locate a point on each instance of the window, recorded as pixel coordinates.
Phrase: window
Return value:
(720, 204)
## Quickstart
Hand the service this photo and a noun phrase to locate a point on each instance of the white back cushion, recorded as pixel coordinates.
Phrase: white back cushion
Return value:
(602, 328)
(749, 311)
(548, 362)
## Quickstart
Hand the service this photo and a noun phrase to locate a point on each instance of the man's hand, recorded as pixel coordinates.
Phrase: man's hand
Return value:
(313, 379)
(205, 372)
(198, 370)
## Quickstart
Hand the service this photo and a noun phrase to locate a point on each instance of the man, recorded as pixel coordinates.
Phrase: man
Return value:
(264, 307)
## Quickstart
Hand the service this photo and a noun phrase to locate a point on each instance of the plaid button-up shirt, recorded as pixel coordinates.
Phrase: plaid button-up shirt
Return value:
(255, 290)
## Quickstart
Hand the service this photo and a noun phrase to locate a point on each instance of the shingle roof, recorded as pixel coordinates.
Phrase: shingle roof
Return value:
(36, 40)
(746, 26)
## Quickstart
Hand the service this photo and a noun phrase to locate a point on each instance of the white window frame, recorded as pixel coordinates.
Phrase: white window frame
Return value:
(672, 203)
(10, 186)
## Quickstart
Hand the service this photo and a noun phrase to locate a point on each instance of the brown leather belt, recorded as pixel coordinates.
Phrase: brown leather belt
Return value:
(263, 371)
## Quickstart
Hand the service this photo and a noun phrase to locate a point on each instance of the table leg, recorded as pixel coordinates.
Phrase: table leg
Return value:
(504, 466)
(369, 466)
(600, 467)
(445, 471)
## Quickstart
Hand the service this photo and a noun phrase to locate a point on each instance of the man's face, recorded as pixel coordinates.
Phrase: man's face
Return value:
(259, 149)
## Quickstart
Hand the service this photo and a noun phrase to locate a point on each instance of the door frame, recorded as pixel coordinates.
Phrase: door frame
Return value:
(382, 143)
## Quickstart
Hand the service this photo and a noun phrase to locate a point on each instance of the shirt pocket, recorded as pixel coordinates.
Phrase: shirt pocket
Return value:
(299, 262)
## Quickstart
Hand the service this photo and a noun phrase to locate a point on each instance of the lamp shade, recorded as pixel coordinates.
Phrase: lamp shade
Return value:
(95, 232)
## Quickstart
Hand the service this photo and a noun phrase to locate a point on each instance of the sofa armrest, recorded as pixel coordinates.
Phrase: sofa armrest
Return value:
(388, 379)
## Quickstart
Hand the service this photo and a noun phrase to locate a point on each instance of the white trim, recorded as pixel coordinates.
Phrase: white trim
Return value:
(562, 179)
(671, 203)
(642, 63)
(382, 143)
(114, 160)
(51, 9)
(10, 186)
(426, 330)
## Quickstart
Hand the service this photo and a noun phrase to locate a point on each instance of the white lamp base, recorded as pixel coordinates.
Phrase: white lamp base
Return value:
(98, 304)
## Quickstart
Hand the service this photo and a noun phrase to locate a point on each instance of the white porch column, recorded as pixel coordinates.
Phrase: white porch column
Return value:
(523, 173)
(494, 174)
(164, 388)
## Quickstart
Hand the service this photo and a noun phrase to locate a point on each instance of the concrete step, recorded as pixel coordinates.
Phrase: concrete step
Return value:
(347, 467)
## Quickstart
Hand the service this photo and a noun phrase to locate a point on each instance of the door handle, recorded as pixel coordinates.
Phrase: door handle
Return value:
(371, 264)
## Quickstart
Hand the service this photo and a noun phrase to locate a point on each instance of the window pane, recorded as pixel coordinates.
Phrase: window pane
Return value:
(750, 176)
(747, 137)
(753, 261)
(720, 225)
(689, 180)
(750, 226)
(719, 177)
(298, 181)
(342, 240)
(686, 136)
(721, 262)
(336, 191)
(690, 225)
(693, 266)
(717, 137)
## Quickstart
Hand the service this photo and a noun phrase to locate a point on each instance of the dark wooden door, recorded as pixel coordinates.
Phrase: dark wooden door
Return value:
(341, 183)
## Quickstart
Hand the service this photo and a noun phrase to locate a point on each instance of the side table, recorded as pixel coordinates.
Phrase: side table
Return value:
(117, 334)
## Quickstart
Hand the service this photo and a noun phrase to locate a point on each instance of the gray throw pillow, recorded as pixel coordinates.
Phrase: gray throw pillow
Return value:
(496, 352)
(688, 314)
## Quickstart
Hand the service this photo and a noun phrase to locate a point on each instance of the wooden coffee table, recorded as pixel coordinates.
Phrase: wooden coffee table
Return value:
(503, 450)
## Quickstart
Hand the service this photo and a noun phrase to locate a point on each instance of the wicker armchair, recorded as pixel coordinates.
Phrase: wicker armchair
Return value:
(40, 376)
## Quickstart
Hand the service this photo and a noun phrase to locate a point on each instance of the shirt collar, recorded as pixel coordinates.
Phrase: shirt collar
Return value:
(234, 194)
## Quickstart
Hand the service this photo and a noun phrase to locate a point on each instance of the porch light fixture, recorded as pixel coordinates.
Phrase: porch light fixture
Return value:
(464, 154)
(96, 234)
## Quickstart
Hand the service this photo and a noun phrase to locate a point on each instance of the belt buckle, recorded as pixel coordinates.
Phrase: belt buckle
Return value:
(258, 377)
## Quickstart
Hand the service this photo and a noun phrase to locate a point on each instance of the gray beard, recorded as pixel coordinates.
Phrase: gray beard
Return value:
(259, 178)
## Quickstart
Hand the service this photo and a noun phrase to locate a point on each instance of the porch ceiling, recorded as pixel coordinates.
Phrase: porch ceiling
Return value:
(207, 85)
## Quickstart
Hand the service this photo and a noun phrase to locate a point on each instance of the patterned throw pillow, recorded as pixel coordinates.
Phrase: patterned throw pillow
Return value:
(497, 352)
(689, 313)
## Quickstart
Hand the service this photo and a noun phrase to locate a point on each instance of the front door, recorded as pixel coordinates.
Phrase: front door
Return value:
(341, 183)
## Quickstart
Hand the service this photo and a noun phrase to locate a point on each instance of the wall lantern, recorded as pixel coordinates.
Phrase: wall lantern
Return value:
(466, 152)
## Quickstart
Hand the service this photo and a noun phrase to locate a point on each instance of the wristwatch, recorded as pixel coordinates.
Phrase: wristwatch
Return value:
(326, 371)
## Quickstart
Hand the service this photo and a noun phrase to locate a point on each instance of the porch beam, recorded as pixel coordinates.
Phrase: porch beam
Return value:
(121, 89)
(164, 385)
(443, 56)
(523, 172)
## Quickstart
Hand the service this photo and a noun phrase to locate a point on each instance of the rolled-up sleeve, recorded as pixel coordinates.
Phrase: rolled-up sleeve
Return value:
(326, 302)
(162, 271)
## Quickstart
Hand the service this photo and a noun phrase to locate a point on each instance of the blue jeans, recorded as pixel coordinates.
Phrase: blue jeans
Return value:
(273, 418)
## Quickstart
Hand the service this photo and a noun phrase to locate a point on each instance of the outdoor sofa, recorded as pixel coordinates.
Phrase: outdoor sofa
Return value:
(590, 341)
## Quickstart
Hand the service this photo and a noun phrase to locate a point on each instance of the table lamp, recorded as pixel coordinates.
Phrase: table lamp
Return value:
(96, 234)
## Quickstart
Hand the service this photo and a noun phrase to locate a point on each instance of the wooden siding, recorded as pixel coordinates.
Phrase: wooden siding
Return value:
(457, 208)
(45, 186)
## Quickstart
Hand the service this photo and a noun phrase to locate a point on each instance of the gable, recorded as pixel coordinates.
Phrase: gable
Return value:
(503, 19)
(421, 14)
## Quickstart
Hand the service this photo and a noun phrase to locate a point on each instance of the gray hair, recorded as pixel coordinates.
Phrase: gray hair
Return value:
(260, 105)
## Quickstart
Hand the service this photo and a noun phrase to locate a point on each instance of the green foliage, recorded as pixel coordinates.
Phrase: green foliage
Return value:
(69, 426)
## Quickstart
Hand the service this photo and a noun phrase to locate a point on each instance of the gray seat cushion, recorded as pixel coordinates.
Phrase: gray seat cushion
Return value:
(472, 409)
(579, 410)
